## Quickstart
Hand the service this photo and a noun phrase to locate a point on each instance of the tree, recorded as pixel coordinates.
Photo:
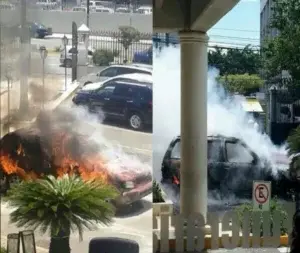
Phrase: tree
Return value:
(283, 51)
(61, 206)
(242, 84)
(235, 61)
(128, 36)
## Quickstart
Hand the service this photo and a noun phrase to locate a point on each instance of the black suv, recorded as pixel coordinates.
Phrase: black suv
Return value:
(232, 167)
(120, 99)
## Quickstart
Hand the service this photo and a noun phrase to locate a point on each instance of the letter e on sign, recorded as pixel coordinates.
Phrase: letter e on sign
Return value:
(261, 195)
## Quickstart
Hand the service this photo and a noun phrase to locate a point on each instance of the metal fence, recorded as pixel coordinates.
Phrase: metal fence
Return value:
(115, 42)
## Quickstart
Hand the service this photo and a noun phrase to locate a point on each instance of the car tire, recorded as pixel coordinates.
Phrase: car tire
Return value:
(68, 63)
(86, 83)
(135, 121)
(4, 184)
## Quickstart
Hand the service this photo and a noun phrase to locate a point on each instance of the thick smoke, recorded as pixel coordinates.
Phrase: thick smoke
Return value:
(78, 121)
(225, 114)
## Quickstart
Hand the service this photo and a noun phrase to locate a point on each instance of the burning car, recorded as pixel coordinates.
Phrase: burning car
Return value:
(232, 167)
(48, 148)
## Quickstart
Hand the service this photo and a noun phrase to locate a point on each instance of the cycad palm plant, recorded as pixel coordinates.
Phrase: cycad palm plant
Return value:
(61, 206)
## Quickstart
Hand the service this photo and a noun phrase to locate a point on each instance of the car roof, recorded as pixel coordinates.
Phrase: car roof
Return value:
(137, 77)
(218, 137)
(135, 84)
(144, 67)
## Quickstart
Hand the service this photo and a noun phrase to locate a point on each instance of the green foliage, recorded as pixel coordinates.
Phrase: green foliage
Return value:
(3, 250)
(243, 84)
(157, 195)
(283, 52)
(274, 206)
(103, 57)
(128, 36)
(235, 61)
(61, 204)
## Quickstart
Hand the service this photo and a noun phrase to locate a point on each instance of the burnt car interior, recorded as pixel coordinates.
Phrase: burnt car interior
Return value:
(232, 167)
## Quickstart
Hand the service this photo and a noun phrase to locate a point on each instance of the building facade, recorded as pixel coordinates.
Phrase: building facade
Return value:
(265, 19)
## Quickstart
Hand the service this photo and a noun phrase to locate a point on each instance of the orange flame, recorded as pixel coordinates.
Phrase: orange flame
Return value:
(88, 168)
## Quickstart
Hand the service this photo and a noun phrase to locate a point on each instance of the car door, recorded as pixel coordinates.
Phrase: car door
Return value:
(240, 166)
(118, 103)
(100, 98)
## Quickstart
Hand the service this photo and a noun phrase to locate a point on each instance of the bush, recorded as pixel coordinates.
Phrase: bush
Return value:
(242, 84)
(274, 206)
(103, 57)
(157, 195)
(3, 250)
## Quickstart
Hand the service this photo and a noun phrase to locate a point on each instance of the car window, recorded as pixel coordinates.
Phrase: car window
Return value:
(238, 153)
(213, 151)
(107, 90)
(121, 90)
(109, 72)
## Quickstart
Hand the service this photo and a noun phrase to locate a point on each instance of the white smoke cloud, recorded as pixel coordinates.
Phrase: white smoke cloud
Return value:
(225, 114)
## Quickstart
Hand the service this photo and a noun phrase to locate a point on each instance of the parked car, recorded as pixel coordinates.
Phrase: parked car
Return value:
(66, 58)
(104, 10)
(144, 10)
(22, 153)
(79, 9)
(39, 31)
(123, 10)
(127, 98)
(232, 167)
(115, 70)
(7, 6)
(144, 57)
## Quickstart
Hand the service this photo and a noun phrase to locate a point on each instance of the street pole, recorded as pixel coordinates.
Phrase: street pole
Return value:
(88, 13)
(65, 68)
(43, 83)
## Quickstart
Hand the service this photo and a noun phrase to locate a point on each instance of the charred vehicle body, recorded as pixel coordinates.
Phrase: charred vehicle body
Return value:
(47, 148)
(232, 167)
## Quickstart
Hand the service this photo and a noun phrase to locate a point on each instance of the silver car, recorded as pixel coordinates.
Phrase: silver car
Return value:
(116, 70)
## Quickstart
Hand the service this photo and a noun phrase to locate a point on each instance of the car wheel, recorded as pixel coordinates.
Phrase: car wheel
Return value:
(135, 121)
(4, 185)
(68, 63)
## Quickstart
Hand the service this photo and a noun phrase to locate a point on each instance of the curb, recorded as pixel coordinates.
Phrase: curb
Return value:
(38, 249)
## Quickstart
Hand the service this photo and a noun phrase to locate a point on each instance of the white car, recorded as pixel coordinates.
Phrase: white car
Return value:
(79, 9)
(47, 4)
(66, 57)
(116, 70)
(133, 78)
(104, 9)
(123, 10)
(144, 10)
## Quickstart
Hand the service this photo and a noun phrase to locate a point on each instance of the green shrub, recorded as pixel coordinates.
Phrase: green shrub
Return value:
(274, 206)
(103, 57)
(157, 195)
(3, 250)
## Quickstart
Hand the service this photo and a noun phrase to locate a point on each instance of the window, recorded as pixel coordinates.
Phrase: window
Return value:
(121, 90)
(238, 153)
(175, 153)
(109, 72)
(107, 90)
(213, 151)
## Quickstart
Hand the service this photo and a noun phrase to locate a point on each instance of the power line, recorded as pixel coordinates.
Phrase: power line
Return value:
(230, 37)
(235, 30)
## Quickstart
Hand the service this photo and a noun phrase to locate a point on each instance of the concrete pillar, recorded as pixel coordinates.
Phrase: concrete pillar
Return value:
(193, 175)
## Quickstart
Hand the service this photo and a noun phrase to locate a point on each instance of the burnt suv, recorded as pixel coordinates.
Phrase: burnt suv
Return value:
(232, 167)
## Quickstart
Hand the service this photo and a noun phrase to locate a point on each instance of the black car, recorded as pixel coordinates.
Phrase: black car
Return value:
(232, 167)
(39, 31)
(128, 101)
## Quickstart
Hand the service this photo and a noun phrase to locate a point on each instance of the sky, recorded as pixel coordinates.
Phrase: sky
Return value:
(239, 27)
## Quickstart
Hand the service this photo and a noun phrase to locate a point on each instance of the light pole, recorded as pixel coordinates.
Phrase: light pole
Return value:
(65, 42)
(44, 54)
